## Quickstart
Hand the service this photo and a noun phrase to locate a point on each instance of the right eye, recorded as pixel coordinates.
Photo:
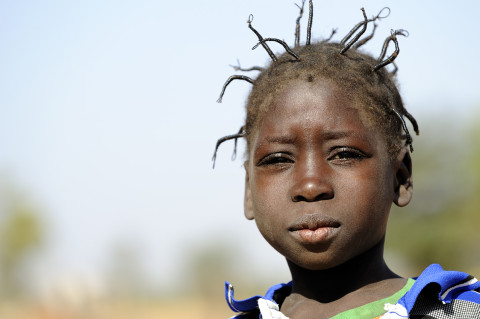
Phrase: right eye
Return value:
(275, 159)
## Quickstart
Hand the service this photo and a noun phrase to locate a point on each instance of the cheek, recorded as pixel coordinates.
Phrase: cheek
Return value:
(265, 200)
(372, 195)
(268, 229)
(268, 189)
(375, 183)
(377, 211)
(263, 209)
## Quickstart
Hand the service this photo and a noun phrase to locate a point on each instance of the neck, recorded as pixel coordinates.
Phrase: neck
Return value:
(332, 284)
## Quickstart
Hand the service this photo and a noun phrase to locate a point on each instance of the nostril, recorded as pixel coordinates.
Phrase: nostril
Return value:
(324, 196)
(298, 198)
(319, 197)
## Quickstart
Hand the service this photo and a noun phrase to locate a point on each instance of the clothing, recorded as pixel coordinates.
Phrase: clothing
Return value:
(435, 294)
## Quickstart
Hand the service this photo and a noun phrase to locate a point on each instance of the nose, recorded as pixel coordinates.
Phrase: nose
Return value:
(312, 183)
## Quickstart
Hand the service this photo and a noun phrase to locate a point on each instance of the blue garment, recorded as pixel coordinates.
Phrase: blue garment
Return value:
(436, 293)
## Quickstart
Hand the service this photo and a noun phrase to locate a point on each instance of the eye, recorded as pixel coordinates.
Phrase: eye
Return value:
(276, 159)
(347, 154)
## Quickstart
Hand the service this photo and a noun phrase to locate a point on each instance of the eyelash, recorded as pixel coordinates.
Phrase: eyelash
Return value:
(343, 154)
(346, 154)
(276, 159)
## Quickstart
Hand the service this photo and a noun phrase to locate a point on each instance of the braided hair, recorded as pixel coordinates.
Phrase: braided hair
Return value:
(362, 77)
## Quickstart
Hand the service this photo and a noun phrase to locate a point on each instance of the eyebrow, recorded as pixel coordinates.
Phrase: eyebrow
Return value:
(289, 139)
(279, 139)
(335, 135)
(283, 139)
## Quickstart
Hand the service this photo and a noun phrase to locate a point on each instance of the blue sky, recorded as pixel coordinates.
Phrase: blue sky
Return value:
(108, 117)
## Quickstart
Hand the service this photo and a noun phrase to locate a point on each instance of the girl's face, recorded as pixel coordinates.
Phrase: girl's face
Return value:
(320, 183)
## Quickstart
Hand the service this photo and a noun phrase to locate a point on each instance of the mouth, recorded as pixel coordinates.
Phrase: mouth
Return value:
(314, 228)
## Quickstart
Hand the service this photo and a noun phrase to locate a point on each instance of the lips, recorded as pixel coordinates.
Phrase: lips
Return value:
(313, 221)
(314, 228)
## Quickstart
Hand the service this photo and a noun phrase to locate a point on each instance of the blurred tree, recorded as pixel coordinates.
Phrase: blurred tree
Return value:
(207, 267)
(20, 234)
(441, 225)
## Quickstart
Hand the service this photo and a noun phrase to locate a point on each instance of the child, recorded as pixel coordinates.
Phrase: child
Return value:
(328, 153)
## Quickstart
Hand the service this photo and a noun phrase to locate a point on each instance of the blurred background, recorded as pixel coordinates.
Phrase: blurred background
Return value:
(109, 206)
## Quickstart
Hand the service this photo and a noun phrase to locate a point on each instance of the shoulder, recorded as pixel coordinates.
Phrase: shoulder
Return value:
(438, 293)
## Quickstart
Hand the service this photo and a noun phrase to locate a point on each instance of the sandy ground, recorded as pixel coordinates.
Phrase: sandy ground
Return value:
(121, 310)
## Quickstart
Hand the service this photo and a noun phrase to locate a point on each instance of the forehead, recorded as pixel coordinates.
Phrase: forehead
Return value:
(318, 108)
(301, 97)
(314, 101)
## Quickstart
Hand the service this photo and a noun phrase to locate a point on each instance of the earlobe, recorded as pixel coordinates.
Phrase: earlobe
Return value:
(247, 201)
(403, 179)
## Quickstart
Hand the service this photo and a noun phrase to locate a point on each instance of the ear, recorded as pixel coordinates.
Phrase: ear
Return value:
(403, 178)
(247, 201)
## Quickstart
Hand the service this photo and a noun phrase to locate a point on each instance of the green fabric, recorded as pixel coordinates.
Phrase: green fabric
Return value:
(375, 308)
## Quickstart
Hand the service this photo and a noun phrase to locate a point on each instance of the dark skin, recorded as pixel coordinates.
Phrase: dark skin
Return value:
(362, 280)
(320, 185)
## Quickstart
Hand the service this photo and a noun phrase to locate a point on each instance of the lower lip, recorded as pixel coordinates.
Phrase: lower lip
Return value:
(315, 236)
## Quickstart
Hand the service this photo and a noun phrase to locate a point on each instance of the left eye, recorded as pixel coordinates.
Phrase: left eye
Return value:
(347, 154)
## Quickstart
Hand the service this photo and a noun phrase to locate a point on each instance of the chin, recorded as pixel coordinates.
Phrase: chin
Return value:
(315, 263)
